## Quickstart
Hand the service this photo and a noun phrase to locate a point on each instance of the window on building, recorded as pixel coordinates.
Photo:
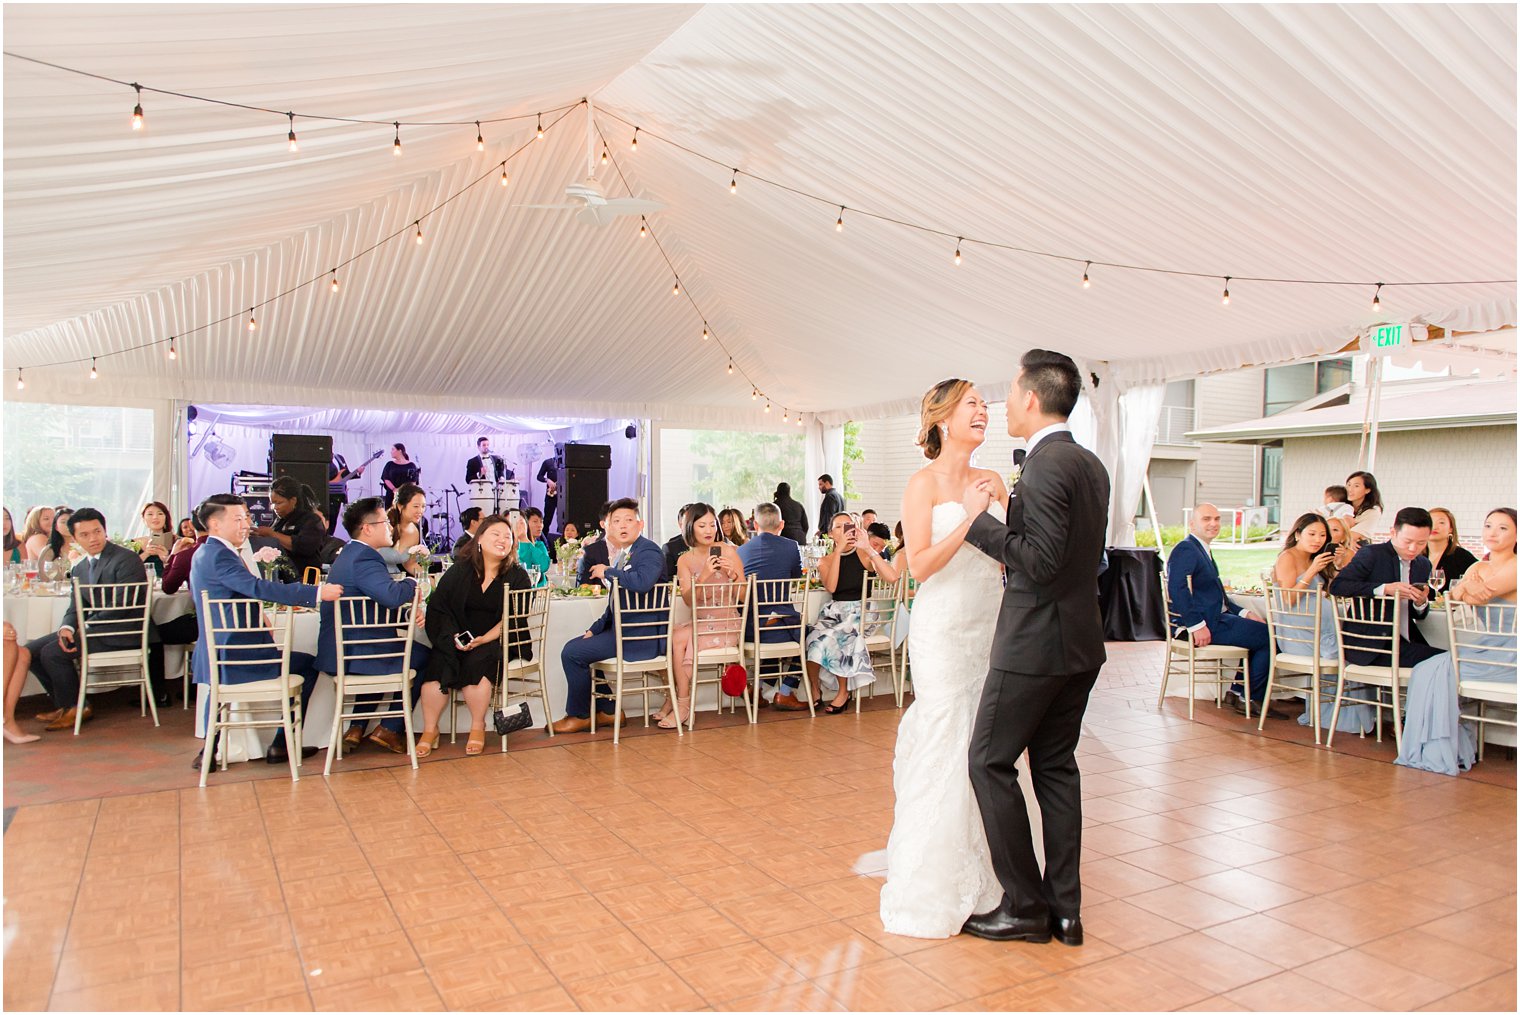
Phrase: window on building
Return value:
(724, 468)
(1286, 386)
(80, 456)
(1271, 482)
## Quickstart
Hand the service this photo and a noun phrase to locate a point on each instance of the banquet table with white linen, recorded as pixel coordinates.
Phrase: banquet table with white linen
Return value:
(36, 614)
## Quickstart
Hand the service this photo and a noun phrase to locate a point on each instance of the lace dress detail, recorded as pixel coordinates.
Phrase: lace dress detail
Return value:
(939, 870)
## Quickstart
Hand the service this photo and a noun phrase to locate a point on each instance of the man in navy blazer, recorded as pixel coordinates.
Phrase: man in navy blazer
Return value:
(1208, 613)
(1397, 569)
(219, 570)
(770, 556)
(55, 656)
(361, 571)
(637, 565)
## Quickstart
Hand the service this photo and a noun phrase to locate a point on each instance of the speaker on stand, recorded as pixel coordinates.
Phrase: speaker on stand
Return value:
(583, 471)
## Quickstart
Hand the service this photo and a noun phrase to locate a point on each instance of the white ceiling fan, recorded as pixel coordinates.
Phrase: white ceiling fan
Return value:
(592, 205)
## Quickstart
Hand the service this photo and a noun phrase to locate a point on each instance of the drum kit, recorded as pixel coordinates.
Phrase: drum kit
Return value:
(492, 497)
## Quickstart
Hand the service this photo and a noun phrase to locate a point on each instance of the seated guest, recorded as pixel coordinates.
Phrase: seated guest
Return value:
(360, 571)
(36, 531)
(713, 583)
(469, 518)
(638, 566)
(836, 652)
(1341, 541)
(880, 536)
(532, 555)
(571, 531)
(793, 515)
(160, 539)
(1209, 614)
(55, 656)
(405, 517)
(868, 518)
(1393, 569)
(177, 571)
(219, 570)
(1444, 551)
(1434, 739)
(12, 540)
(1306, 562)
(676, 544)
(17, 662)
(297, 528)
(897, 533)
(594, 550)
(1366, 506)
(57, 546)
(731, 520)
(470, 599)
(186, 528)
(535, 520)
(1336, 503)
(770, 556)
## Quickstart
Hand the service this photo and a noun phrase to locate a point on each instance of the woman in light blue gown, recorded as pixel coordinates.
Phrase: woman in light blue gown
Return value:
(1308, 562)
(1434, 737)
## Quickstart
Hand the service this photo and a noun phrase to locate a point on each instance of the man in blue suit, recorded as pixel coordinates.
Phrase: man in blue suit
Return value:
(770, 556)
(219, 570)
(360, 571)
(1397, 569)
(1209, 614)
(637, 565)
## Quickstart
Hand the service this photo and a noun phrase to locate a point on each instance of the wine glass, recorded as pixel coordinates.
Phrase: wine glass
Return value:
(533, 574)
(1437, 580)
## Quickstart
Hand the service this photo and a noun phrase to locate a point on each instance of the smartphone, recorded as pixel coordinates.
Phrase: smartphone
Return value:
(715, 550)
(463, 638)
(1331, 548)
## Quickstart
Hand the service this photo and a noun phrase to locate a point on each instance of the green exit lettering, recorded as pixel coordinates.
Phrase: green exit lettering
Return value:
(1389, 336)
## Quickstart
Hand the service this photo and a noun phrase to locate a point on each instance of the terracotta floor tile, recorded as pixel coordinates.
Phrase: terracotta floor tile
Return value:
(1209, 962)
(409, 991)
(331, 962)
(1418, 952)
(1188, 906)
(1384, 984)
(564, 917)
(438, 873)
(737, 881)
(1119, 878)
(1247, 890)
(240, 981)
(647, 900)
(889, 985)
(486, 976)
(284, 1002)
(688, 932)
(149, 993)
(802, 996)
(767, 915)
(1130, 982)
(1488, 933)
(1127, 926)
(442, 942)
(531, 885)
(972, 967)
(1496, 994)
(584, 956)
(214, 940)
(647, 988)
(1261, 935)
(740, 970)
(332, 889)
(1215, 1003)
(1290, 991)
(456, 904)
(130, 958)
(343, 922)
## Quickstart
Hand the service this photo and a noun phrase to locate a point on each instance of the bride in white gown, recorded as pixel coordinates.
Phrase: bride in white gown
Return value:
(939, 870)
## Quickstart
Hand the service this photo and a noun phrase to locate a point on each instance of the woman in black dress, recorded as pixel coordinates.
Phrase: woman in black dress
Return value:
(1444, 551)
(297, 528)
(470, 598)
(398, 472)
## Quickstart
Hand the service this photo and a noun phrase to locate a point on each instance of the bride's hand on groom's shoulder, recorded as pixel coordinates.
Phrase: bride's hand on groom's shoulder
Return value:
(977, 496)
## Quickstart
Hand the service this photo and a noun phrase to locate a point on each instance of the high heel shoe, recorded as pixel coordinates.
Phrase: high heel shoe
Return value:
(426, 746)
(477, 742)
(833, 709)
(671, 721)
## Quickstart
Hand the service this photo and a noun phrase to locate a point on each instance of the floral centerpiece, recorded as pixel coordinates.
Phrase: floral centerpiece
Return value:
(272, 563)
(135, 545)
(422, 556)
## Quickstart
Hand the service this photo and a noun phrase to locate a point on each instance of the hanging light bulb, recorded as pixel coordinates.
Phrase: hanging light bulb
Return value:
(675, 290)
(480, 139)
(786, 415)
(396, 145)
(839, 222)
(335, 280)
(958, 240)
(418, 224)
(705, 333)
(253, 324)
(733, 185)
(604, 154)
(635, 145)
(767, 405)
(1225, 300)
(540, 126)
(1377, 304)
(292, 135)
(643, 229)
(20, 381)
(1086, 282)
(93, 372)
(137, 113)
(754, 393)
(799, 419)
(173, 354)
(730, 368)
(504, 180)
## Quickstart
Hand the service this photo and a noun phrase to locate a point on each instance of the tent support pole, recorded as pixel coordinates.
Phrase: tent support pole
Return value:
(1150, 500)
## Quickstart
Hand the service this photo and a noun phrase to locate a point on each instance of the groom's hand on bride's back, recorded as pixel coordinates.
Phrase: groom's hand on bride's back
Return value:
(977, 496)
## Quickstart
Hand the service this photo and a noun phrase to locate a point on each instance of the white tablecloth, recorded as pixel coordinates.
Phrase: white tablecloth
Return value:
(34, 616)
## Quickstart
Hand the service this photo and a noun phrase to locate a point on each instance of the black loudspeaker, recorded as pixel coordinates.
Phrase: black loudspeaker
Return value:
(584, 456)
(313, 474)
(299, 447)
(582, 492)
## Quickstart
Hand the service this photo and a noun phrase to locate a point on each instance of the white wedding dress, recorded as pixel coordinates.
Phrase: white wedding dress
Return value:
(939, 870)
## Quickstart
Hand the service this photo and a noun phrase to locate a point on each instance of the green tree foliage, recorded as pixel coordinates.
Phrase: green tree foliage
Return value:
(743, 468)
(852, 454)
(39, 468)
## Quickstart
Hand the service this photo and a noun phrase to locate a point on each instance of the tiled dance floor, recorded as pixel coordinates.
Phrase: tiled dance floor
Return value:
(737, 869)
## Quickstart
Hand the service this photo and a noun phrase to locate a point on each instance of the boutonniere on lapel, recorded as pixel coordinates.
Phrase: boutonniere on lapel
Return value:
(1013, 477)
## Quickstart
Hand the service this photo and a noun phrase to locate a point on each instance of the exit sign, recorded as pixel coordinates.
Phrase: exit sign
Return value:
(1387, 339)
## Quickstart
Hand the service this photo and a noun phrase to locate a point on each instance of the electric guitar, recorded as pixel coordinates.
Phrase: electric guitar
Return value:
(352, 473)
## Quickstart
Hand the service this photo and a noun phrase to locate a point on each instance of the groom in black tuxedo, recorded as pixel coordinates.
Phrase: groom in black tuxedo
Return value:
(1045, 655)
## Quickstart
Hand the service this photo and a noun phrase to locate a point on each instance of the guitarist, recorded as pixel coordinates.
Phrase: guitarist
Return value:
(338, 477)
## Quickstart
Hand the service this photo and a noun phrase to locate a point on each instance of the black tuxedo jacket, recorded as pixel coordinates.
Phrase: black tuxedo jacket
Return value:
(1377, 564)
(591, 556)
(476, 469)
(1052, 544)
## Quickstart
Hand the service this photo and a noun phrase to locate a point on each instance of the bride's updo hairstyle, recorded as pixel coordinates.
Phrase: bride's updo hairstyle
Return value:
(939, 404)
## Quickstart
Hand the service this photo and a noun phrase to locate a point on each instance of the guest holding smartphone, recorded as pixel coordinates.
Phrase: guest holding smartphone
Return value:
(532, 554)
(711, 577)
(160, 541)
(837, 656)
(464, 626)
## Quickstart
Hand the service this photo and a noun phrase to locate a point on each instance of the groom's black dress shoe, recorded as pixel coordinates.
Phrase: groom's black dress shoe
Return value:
(1068, 931)
(1000, 926)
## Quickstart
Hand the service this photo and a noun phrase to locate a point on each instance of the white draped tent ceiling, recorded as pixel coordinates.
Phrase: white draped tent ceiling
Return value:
(1368, 143)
